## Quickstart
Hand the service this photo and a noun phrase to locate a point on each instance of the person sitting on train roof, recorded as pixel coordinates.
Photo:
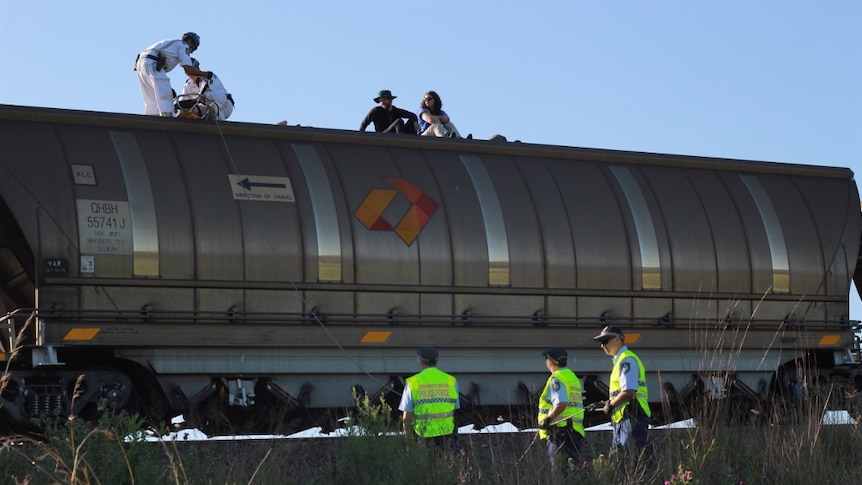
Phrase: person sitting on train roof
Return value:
(389, 119)
(153, 66)
(204, 98)
(433, 121)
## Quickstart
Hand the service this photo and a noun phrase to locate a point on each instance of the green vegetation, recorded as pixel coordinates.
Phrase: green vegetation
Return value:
(787, 445)
(374, 450)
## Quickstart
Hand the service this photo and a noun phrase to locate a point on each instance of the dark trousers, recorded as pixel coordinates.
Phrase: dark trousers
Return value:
(566, 442)
(633, 432)
(448, 442)
(399, 126)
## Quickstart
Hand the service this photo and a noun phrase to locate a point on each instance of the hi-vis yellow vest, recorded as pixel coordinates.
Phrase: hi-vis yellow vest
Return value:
(614, 388)
(434, 398)
(574, 407)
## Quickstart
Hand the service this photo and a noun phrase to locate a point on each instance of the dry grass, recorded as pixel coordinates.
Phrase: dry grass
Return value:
(374, 452)
(791, 448)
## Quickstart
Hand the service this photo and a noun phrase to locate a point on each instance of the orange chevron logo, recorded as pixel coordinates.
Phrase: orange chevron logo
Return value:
(370, 212)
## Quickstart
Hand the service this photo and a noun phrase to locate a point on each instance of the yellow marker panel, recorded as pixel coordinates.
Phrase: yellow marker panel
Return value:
(81, 334)
(830, 339)
(375, 337)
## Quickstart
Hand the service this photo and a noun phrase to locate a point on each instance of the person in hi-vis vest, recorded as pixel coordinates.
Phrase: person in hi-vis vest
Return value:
(429, 401)
(628, 396)
(561, 409)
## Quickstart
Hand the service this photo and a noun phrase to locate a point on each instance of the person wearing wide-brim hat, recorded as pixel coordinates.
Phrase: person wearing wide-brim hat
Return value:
(628, 396)
(384, 93)
(389, 119)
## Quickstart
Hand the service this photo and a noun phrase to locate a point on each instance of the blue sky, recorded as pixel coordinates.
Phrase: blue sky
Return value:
(757, 80)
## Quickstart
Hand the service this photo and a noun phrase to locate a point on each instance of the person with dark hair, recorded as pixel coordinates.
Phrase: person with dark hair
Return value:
(433, 121)
(429, 401)
(628, 396)
(561, 409)
(389, 119)
(153, 66)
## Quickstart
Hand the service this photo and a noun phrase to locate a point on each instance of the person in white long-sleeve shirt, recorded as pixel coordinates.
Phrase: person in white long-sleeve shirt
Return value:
(205, 98)
(153, 66)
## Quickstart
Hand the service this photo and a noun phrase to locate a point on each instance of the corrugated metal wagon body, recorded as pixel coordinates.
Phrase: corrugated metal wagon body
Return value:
(236, 263)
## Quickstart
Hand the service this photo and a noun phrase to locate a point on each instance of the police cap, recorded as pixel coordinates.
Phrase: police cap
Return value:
(557, 354)
(428, 354)
(608, 333)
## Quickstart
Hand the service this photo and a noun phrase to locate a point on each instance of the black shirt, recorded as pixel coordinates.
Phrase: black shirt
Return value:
(383, 118)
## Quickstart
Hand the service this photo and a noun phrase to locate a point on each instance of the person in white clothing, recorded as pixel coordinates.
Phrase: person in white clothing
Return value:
(205, 98)
(153, 66)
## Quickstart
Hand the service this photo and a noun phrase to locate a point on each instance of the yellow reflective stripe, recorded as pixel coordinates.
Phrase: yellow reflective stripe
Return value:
(433, 416)
(82, 334)
(562, 423)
